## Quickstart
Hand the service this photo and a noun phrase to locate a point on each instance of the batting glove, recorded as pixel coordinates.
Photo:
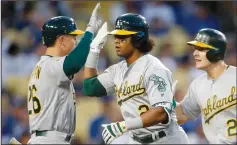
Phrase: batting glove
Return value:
(94, 23)
(14, 141)
(113, 130)
(99, 41)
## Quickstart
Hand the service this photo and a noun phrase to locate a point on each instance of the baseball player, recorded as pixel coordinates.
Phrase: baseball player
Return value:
(213, 94)
(141, 83)
(51, 96)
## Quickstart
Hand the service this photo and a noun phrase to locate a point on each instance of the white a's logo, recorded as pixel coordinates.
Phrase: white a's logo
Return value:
(202, 38)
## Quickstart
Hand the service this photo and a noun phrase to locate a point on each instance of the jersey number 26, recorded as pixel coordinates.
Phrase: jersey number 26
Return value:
(35, 101)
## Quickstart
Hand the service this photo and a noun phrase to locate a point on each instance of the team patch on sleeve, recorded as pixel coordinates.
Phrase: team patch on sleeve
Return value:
(159, 81)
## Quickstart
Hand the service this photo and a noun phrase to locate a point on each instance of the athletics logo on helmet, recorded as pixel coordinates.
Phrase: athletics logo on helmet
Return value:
(132, 24)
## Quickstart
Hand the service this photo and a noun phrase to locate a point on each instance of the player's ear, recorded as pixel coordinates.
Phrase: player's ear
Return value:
(61, 40)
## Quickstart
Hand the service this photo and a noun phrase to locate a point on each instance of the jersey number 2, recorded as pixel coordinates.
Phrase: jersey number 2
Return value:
(232, 127)
(142, 109)
(35, 101)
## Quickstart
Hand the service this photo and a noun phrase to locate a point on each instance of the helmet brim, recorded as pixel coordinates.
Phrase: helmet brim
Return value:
(77, 32)
(200, 44)
(122, 32)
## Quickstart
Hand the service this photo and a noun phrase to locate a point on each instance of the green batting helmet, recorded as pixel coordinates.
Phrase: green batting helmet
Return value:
(132, 24)
(57, 26)
(213, 40)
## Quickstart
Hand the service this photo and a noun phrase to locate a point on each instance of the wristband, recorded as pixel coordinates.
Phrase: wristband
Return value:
(92, 60)
(90, 29)
(135, 123)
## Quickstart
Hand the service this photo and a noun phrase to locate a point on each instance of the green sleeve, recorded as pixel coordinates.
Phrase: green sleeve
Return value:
(93, 87)
(77, 58)
(174, 103)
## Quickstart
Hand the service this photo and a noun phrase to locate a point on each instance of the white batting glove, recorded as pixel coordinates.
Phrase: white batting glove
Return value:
(14, 141)
(94, 23)
(99, 41)
(113, 131)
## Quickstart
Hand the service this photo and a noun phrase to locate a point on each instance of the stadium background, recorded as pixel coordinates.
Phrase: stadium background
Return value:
(172, 24)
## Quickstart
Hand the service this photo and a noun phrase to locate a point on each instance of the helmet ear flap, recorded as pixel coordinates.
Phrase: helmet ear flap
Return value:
(48, 37)
(214, 55)
(138, 39)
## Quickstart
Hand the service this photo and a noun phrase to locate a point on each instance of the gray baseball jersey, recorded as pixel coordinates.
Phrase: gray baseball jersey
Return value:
(216, 101)
(145, 84)
(51, 97)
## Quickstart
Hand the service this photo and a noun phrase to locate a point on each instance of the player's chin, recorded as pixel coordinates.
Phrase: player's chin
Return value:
(119, 54)
(200, 66)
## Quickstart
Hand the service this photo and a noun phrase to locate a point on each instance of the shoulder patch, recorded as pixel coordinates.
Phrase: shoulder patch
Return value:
(159, 81)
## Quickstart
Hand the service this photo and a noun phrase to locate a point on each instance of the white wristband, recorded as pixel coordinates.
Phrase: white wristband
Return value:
(135, 123)
(92, 60)
(90, 29)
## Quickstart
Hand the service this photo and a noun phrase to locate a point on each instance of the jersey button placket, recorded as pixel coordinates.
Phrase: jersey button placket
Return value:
(213, 87)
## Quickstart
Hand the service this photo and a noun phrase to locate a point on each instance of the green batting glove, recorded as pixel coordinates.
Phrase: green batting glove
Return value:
(112, 131)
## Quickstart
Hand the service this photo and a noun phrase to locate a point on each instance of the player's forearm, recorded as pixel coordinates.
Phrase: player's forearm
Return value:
(154, 116)
(180, 115)
(91, 64)
(89, 72)
(149, 118)
(91, 85)
(77, 58)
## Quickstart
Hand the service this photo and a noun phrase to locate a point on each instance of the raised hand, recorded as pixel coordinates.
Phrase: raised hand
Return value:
(94, 23)
(100, 39)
